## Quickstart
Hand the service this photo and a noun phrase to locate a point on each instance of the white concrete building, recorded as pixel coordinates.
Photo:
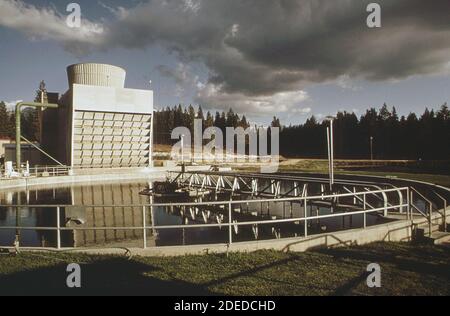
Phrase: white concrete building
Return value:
(100, 123)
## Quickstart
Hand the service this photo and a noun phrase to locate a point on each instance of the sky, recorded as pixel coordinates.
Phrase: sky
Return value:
(263, 58)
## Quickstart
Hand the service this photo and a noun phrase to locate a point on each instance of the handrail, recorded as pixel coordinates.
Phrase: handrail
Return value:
(245, 223)
(422, 196)
(290, 199)
(230, 224)
(445, 210)
(429, 217)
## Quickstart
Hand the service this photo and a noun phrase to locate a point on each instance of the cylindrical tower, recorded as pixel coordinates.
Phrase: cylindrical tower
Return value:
(96, 75)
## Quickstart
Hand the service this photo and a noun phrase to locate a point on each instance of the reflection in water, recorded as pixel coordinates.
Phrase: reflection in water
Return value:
(118, 206)
(71, 216)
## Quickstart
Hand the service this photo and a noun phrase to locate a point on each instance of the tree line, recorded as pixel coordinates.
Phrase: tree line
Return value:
(393, 137)
(407, 137)
(171, 117)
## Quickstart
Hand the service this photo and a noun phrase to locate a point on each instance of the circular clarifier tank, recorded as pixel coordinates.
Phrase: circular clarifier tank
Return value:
(93, 74)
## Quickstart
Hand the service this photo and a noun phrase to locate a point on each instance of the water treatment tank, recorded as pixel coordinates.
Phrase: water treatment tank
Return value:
(96, 75)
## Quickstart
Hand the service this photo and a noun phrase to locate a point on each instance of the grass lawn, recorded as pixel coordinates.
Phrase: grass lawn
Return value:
(375, 168)
(407, 269)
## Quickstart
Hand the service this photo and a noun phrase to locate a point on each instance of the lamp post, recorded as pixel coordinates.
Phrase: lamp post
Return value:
(371, 147)
(183, 168)
(182, 149)
(330, 143)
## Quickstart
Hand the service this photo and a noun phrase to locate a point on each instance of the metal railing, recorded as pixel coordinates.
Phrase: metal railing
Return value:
(57, 171)
(304, 218)
(49, 171)
(430, 208)
(444, 213)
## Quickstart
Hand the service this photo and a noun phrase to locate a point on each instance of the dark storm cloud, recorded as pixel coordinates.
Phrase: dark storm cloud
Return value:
(263, 47)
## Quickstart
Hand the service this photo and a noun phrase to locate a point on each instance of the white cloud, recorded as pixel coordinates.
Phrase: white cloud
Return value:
(302, 111)
(182, 76)
(213, 97)
(192, 5)
(347, 83)
(11, 104)
(48, 24)
(260, 55)
(234, 30)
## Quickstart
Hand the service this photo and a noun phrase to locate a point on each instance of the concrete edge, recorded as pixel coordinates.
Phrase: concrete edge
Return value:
(397, 231)
(393, 231)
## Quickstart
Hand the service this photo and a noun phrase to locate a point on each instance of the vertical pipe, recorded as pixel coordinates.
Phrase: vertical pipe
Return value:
(58, 227)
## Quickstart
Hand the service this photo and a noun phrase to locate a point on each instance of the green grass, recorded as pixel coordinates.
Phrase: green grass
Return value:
(346, 166)
(407, 269)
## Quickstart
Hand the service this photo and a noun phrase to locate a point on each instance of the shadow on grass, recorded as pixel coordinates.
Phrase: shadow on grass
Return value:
(255, 273)
(115, 276)
(425, 261)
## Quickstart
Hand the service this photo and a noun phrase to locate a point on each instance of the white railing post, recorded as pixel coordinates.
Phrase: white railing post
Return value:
(365, 208)
(230, 231)
(408, 201)
(58, 228)
(144, 230)
(430, 219)
(445, 215)
(306, 217)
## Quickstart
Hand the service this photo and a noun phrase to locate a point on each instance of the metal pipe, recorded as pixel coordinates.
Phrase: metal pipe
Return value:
(18, 126)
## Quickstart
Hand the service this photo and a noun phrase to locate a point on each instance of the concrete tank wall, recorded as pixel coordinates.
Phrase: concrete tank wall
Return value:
(96, 75)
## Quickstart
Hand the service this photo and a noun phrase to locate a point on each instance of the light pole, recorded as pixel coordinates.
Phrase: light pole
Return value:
(182, 149)
(182, 156)
(330, 143)
(371, 147)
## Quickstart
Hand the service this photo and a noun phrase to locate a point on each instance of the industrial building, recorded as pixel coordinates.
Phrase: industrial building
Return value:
(99, 123)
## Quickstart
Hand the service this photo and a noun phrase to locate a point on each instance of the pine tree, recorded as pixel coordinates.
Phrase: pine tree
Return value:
(5, 124)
